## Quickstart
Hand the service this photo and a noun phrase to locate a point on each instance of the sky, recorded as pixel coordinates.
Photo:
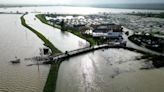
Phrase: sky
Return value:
(74, 2)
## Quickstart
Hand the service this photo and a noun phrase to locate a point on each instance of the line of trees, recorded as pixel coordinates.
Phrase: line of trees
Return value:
(160, 15)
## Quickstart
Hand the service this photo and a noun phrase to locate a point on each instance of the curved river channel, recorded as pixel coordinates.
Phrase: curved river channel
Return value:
(108, 70)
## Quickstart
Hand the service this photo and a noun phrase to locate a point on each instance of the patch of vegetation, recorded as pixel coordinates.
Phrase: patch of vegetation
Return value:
(158, 61)
(50, 85)
(42, 18)
(160, 15)
(88, 38)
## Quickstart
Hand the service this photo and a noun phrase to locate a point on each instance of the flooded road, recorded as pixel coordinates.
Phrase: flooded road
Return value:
(21, 42)
(112, 70)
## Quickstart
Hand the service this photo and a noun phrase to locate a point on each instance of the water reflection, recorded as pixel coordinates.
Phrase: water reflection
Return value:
(106, 71)
(87, 72)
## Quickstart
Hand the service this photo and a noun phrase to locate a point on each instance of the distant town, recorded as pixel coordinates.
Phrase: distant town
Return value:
(108, 28)
(135, 23)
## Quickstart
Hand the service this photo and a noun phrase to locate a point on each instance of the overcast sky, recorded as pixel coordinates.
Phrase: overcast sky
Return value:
(77, 1)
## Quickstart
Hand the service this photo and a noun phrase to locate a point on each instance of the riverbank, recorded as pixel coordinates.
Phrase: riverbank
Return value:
(43, 20)
(90, 39)
(53, 73)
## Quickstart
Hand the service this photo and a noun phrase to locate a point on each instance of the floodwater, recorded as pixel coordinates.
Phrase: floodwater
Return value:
(15, 40)
(112, 70)
(64, 41)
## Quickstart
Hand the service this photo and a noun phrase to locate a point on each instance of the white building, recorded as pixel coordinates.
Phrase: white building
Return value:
(108, 31)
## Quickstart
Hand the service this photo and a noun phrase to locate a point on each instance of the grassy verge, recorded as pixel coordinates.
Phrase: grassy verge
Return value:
(50, 85)
(45, 40)
(43, 20)
(90, 39)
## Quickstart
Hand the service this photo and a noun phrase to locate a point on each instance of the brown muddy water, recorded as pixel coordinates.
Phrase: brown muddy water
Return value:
(112, 70)
(15, 40)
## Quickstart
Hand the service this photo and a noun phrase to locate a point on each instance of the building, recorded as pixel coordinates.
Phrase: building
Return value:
(108, 31)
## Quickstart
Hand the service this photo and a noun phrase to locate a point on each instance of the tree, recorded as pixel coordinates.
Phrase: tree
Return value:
(62, 24)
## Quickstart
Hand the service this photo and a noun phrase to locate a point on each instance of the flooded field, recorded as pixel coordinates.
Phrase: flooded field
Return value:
(22, 43)
(112, 70)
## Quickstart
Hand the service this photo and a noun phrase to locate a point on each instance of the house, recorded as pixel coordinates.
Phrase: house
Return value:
(79, 26)
(108, 31)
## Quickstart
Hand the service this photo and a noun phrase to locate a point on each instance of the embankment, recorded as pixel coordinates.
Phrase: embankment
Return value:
(53, 73)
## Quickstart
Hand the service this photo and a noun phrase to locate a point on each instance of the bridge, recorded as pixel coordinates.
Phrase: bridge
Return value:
(61, 57)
